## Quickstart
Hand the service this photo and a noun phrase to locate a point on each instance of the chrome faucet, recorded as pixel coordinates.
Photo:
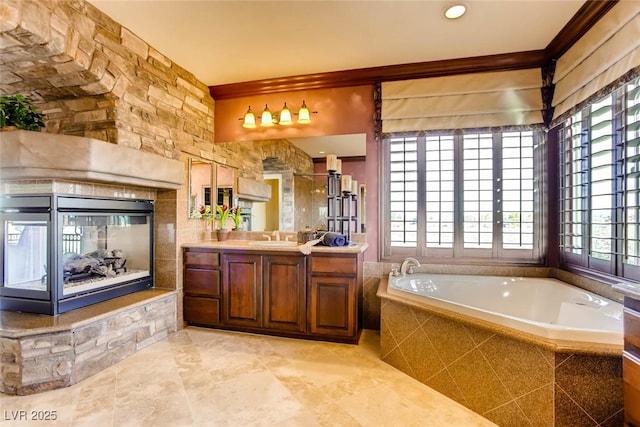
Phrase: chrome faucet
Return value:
(267, 236)
(408, 264)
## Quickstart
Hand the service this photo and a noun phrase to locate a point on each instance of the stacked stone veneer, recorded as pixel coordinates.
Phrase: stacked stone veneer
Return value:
(94, 78)
(46, 360)
(509, 381)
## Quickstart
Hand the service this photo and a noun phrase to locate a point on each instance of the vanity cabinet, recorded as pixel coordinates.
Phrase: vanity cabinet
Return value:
(202, 287)
(286, 293)
(631, 362)
(334, 296)
(264, 291)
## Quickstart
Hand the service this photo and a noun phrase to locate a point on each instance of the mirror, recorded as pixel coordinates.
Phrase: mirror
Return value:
(305, 204)
(200, 184)
(225, 185)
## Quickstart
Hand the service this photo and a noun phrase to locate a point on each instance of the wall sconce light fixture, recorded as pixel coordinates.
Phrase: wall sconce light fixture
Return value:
(284, 117)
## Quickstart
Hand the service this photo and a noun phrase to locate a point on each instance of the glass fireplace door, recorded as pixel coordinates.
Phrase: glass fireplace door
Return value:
(100, 250)
(25, 254)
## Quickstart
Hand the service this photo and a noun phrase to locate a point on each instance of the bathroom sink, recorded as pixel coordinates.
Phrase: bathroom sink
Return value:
(273, 243)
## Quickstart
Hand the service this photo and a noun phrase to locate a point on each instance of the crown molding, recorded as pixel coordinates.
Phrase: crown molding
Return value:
(585, 18)
(579, 24)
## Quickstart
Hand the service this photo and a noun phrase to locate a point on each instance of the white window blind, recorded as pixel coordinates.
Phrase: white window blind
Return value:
(440, 190)
(461, 196)
(600, 155)
(629, 164)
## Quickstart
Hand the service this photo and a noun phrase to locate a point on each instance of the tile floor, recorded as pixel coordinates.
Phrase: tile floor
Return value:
(206, 377)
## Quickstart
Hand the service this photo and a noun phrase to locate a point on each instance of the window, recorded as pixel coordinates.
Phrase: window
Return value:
(462, 196)
(599, 160)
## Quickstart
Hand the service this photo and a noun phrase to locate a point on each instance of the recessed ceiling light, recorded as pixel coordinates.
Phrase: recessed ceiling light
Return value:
(455, 11)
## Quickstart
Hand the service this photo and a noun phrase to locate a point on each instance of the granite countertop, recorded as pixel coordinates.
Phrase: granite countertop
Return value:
(274, 246)
(628, 289)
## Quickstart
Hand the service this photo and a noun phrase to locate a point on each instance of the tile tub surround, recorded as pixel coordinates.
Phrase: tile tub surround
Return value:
(510, 381)
(40, 353)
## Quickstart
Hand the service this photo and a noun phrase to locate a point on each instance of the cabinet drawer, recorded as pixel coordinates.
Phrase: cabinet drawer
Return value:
(202, 311)
(343, 265)
(208, 259)
(199, 281)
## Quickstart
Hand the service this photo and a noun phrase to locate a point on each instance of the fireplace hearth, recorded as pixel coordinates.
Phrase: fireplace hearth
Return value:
(62, 252)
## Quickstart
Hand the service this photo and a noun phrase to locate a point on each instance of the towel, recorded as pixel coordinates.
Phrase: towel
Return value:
(306, 247)
(334, 239)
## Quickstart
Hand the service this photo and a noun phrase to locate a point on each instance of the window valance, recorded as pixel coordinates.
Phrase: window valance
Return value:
(463, 101)
(606, 52)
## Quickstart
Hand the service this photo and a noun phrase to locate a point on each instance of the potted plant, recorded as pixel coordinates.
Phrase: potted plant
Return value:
(222, 214)
(237, 218)
(17, 111)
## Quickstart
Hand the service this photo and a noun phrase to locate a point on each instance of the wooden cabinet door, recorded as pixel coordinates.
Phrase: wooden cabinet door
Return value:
(242, 290)
(631, 382)
(284, 292)
(332, 306)
(201, 311)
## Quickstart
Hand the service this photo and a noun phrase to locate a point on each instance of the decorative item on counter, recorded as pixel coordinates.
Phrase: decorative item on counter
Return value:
(222, 234)
(338, 167)
(332, 163)
(306, 235)
(354, 187)
(222, 214)
(345, 184)
(237, 217)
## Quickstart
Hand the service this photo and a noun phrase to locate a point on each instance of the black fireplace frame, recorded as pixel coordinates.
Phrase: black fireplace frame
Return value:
(51, 208)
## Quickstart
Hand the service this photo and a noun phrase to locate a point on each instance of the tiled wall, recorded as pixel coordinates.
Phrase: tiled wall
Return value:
(510, 382)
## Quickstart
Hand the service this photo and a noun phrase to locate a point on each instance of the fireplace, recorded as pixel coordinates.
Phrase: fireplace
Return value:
(62, 252)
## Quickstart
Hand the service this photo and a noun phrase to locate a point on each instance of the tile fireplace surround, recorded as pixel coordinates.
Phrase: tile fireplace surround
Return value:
(41, 353)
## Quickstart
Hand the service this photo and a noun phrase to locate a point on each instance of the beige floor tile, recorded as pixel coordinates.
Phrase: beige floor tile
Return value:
(204, 377)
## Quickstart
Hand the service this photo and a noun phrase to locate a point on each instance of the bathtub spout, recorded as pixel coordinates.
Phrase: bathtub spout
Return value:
(408, 263)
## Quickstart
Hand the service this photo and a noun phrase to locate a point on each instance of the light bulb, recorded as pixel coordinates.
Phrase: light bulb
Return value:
(267, 118)
(249, 121)
(285, 116)
(304, 117)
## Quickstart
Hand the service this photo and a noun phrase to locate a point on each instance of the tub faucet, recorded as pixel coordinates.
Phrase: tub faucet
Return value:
(408, 263)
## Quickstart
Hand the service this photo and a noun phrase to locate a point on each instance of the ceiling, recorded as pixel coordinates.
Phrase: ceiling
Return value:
(224, 42)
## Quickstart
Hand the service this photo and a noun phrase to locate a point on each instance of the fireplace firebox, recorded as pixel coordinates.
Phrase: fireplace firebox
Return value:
(62, 252)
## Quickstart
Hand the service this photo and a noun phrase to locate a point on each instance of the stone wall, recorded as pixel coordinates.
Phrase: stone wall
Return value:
(58, 357)
(92, 77)
(248, 157)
